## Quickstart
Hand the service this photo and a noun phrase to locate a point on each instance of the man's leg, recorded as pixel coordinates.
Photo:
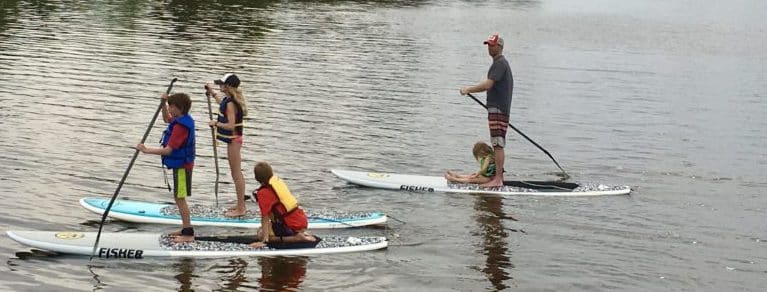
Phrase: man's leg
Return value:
(499, 158)
(497, 180)
(498, 123)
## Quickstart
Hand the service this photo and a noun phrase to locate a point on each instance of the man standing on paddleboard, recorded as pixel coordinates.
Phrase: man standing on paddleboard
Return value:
(499, 86)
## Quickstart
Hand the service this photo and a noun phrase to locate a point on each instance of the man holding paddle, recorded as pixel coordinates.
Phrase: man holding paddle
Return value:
(499, 85)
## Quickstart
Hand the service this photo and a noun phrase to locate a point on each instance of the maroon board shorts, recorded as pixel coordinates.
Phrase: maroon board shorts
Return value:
(498, 123)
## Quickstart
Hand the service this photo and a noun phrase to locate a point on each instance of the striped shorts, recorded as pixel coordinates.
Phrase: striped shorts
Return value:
(182, 182)
(498, 122)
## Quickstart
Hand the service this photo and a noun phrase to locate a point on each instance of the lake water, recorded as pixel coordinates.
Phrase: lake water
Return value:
(665, 96)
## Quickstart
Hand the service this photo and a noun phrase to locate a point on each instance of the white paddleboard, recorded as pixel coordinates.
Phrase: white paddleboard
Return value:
(422, 183)
(162, 213)
(143, 245)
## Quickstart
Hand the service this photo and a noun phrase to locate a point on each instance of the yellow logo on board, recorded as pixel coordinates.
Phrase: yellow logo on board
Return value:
(69, 235)
(377, 175)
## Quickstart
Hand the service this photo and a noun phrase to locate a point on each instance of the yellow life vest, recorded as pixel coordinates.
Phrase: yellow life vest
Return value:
(283, 193)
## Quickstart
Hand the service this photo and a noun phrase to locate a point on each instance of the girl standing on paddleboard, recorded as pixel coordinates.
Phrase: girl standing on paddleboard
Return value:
(232, 109)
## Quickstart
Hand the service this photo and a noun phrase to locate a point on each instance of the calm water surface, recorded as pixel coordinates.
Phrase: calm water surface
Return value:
(665, 96)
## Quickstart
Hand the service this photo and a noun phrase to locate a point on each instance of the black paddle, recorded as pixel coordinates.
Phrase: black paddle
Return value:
(528, 139)
(215, 149)
(130, 165)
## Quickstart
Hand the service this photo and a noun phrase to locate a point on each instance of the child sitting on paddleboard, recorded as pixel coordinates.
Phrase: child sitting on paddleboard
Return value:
(283, 222)
(178, 153)
(484, 154)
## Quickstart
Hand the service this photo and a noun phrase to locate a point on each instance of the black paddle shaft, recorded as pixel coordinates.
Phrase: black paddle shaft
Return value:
(127, 171)
(525, 136)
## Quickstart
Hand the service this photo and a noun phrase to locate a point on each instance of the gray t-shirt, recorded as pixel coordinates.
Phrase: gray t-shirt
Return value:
(499, 96)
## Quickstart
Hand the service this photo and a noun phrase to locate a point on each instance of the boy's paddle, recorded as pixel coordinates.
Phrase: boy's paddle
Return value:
(566, 176)
(215, 148)
(130, 165)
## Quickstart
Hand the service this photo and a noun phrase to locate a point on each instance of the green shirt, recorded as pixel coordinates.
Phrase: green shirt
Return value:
(490, 171)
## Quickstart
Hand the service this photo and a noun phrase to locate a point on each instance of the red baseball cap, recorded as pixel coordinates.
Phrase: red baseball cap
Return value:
(494, 40)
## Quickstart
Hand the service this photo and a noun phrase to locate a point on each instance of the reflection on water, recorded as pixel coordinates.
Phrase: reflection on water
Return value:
(235, 274)
(282, 273)
(277, 273)
(190, 274)
(97, 285)
(186, 273)
(494, 239)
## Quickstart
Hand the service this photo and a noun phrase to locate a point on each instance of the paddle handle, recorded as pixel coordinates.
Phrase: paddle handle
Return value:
(127, 171)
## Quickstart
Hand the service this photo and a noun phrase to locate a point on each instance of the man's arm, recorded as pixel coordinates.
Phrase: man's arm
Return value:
(482, 86)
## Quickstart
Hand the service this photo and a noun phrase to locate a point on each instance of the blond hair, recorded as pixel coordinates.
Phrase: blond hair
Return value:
(481, 149)
(239, 98)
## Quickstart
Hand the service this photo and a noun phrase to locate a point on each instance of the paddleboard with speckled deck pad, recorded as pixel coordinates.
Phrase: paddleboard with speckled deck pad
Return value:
(422, 183)
(117, 245)
(163, 213)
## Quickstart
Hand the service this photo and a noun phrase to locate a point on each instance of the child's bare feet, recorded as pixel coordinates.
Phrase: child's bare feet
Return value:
(183, 238)
(450, 176)
(235, 212)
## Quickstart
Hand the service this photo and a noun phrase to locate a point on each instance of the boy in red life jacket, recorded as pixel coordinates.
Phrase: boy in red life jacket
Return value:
(278, 224)
(178, 154)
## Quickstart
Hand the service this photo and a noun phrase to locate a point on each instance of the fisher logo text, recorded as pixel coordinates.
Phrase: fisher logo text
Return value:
(416, 188)
(121, 253)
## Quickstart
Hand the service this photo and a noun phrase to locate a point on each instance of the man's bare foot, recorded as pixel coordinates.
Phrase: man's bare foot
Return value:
(234, 212)
(495, 182)
(183, 238)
